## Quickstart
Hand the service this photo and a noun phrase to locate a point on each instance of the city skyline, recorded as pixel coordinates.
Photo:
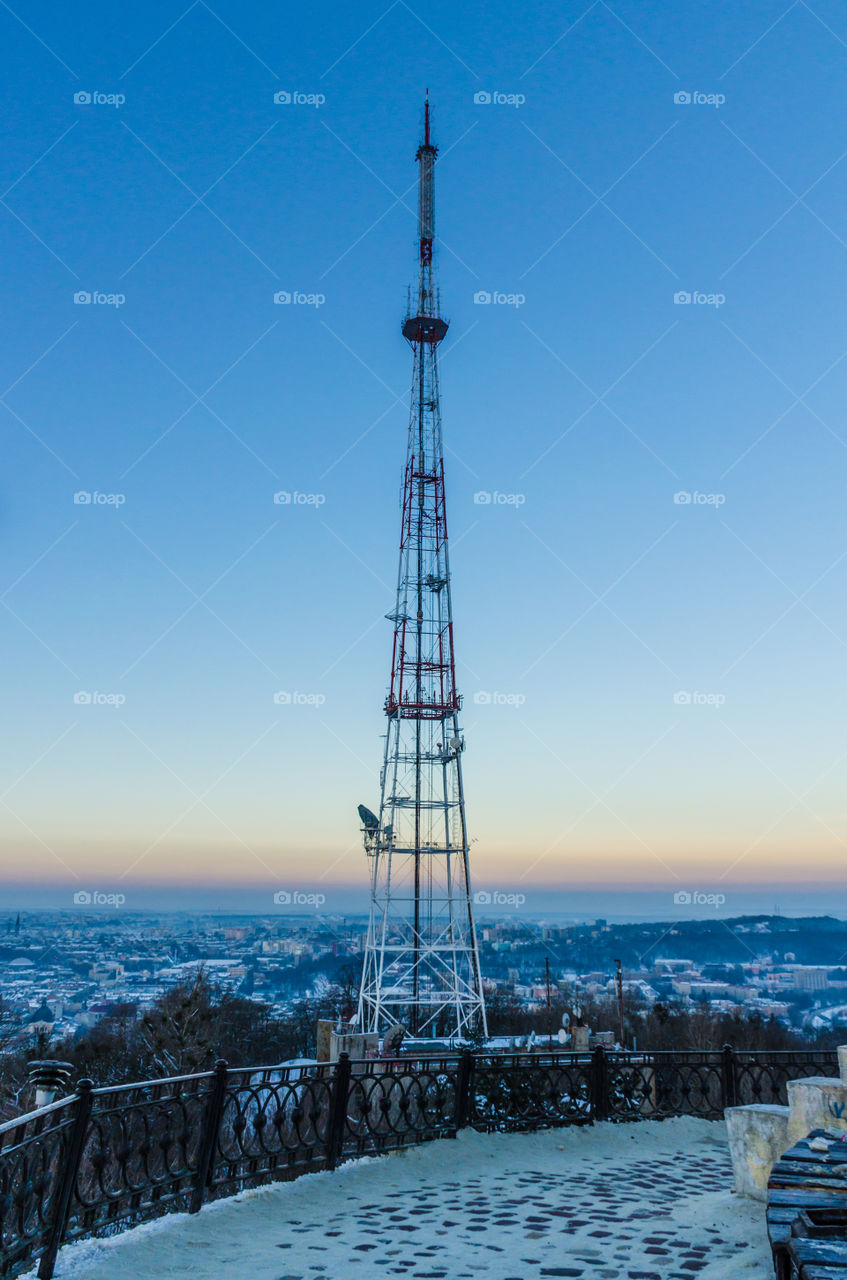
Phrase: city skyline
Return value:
(645, 292)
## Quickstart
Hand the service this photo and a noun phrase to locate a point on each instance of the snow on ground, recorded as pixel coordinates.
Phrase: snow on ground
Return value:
(649, 1201)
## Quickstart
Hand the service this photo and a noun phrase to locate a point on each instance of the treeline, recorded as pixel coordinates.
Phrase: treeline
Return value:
(663, 1025)
(186, 1030)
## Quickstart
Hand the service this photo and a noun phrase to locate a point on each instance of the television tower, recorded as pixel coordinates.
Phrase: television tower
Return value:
(421, 965)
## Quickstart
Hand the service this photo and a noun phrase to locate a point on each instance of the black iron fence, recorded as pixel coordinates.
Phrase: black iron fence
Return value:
(109, 1158)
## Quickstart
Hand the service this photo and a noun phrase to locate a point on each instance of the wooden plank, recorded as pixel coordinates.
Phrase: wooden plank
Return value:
(825, 1175)
(823, 1252)
(812, 1159)
(787, 1213)
(837, 1152)
(804, 1198)
(802, 1168)
(782, 1214)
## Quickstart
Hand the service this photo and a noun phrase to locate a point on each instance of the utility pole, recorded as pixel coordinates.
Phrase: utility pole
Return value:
(620, 1005)
(549, 1006)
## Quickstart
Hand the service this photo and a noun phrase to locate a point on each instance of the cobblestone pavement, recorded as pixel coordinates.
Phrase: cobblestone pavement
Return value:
(628, 1202)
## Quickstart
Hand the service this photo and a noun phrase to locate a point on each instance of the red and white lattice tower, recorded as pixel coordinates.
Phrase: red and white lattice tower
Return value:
(421, 965)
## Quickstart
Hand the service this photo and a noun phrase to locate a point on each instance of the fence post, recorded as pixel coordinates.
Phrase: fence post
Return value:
(209, 1136)
(338, 1109)
(463, 1088)
(599, 1084)
(68, 1179)
(729, 1091)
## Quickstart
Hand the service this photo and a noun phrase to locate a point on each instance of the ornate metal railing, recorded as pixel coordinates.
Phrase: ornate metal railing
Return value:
(105, 1159)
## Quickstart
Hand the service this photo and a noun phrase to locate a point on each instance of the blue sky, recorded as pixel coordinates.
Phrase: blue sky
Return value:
(585, 602)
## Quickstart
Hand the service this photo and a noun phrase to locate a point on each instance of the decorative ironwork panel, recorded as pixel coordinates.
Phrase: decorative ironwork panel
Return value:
(398, 1103)
(659, 1085)
(139, 1157)
(33, 1155)
(761, 1076)
(274, 1119)
(531, 1091)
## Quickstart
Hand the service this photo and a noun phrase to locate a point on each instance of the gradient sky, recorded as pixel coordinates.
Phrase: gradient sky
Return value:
(590, 600)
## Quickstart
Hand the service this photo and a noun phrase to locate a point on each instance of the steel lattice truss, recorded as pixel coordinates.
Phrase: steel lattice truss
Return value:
(421, 962)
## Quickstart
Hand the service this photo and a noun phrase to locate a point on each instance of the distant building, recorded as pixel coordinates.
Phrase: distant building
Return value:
(106, 971)
(808, 978)
(41, 1023)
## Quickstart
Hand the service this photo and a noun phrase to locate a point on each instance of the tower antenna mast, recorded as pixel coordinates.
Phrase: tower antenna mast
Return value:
(421, 964)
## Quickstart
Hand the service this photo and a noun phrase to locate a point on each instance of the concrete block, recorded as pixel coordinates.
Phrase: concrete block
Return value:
(356, 1044)
(818, 1102)
(758, 1136)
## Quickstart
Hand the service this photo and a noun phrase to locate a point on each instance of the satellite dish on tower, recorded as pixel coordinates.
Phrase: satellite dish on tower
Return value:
(563, 1036)
(369, 820)
(393, 1038)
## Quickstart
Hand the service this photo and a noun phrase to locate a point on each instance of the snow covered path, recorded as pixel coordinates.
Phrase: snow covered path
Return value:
(649, 1201)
